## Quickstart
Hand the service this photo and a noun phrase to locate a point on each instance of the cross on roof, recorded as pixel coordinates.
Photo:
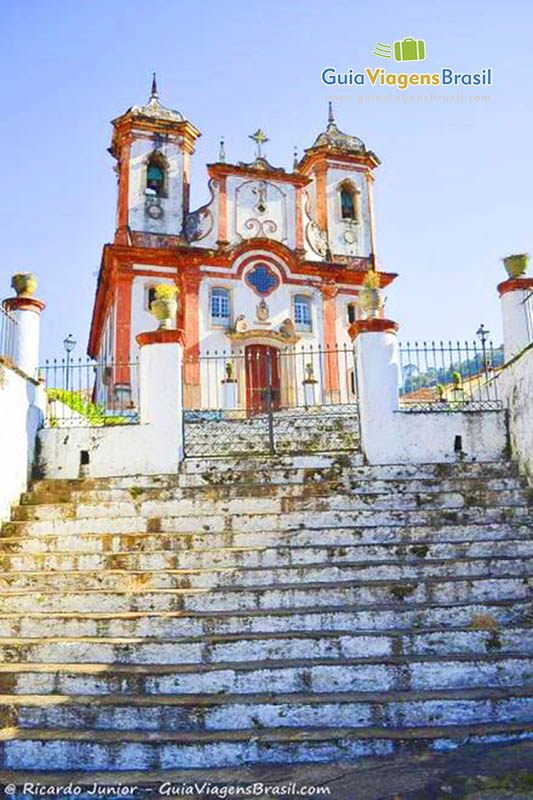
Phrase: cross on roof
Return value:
(259, 138)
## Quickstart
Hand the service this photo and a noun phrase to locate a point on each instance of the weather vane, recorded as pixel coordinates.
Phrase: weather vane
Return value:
(259, 138)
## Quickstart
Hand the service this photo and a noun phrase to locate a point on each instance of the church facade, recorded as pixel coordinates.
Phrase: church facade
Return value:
(272, 263)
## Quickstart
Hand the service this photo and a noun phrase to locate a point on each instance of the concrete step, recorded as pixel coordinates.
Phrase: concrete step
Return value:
(267, 647)
(266, 557)
(109, 541)
(92, 750)
(393, 673)
(487, 615)
(261, 504)
(468, 488)
(216, 577)
(174, 521)
(140, 597)
(252, 712)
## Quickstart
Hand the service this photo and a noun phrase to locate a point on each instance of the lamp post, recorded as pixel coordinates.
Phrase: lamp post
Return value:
(69, 344)
(482, 333)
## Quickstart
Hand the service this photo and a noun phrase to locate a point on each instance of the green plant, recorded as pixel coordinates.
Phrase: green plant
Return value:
(456, 379)
(371, 280)
(94, 414)
(165, 291)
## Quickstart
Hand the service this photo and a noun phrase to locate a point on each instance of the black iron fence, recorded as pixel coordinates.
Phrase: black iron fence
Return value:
(8, 325)
(447, 376)
(87, 393)
(263, 398)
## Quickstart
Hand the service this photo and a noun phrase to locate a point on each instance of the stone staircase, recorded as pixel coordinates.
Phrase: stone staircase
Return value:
(264, 610)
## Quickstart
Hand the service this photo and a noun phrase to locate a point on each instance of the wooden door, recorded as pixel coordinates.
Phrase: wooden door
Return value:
(262, 376)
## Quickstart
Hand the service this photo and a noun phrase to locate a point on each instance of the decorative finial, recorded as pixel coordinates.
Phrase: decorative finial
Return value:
(259, 138)
(331, 116)
(154, 95)
(222, 151)
(295, 159)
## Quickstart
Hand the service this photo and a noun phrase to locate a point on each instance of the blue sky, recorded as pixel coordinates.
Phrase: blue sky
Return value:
(453, 194)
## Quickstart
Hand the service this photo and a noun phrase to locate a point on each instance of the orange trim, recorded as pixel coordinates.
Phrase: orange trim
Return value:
(191, 321)
(221, 169)
(222, 211)
(317, 156)
(299, 236)
(514, 285)
(123, 192)
(321, 197)
(372, 326)
(331, 378)
(22, 303)
(123, 328)
(160, 336)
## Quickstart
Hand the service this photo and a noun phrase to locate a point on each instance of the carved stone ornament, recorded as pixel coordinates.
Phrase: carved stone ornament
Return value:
(199, 223)
(316, 239)
(240, 324)
(153, 207)
(262, 311)
(287, 328)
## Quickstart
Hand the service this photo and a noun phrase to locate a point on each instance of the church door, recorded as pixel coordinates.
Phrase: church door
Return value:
(262, 377)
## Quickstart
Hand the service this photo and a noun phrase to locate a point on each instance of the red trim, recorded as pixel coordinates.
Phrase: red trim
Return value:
(22, 303)
(219, 170)
(299, 236)
(160, 337)
(123, 328)
(372, 326)
(329, 294)
(514, 285)
(222, 211)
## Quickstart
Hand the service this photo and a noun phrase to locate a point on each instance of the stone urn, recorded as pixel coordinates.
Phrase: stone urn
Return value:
(165, 306)
(516, 265)
(24, 283)
(371, 297)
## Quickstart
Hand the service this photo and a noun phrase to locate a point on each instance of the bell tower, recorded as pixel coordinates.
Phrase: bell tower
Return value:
(340, 194)
(152, 145)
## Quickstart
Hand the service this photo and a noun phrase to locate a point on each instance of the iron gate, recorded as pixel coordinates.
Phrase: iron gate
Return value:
(265, 399)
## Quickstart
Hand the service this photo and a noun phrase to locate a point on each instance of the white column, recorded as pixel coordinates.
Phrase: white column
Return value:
(378, 373)
(27, 314)
(161, 401)
(517, 315)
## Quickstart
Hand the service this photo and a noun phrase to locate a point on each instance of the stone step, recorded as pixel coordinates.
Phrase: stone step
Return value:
(252, 712)
(487, 615)
(95, 750)
(469, 489)
(216, 576)
(180, 542)
(262, 504)
(250, 557)
(393, 673)
(139, 597)
(176, 522)
(267, 647)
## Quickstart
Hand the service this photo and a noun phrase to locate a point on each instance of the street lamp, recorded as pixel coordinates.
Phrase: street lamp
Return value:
(69, 344)
(483, 334)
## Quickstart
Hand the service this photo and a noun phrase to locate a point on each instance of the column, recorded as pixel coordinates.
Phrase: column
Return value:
(331, 362)
(516, 296)
(191, 317)
(26, 311)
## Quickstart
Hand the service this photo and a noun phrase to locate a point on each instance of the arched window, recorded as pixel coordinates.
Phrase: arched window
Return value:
(350, 309)
(155, 175)
(150, 297)
(348, 203)
(302, 312)
(220, 307)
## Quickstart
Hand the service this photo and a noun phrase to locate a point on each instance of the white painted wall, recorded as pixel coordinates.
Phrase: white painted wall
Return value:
(391, 436)
(338, 229)
(516, 380)
(21, 414)
(153, 447)
(517, 319)
(246, 222)
(172, 219)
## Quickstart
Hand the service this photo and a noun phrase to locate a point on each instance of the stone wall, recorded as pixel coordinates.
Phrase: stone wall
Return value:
(21, 404)
(517, 380)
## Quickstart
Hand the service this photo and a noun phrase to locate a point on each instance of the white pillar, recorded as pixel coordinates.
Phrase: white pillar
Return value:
(517, 315)
(229, 394)
(161, 401)
(27, 314)
(378, 374)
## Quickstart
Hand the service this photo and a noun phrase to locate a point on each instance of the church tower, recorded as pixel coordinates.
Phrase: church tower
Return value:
(153, 146)
(340, 194)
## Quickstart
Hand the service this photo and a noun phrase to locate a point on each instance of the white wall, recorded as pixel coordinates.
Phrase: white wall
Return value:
(339, 228)
(21, 403)
(517, 386)
(245, 221)
(172, 219)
